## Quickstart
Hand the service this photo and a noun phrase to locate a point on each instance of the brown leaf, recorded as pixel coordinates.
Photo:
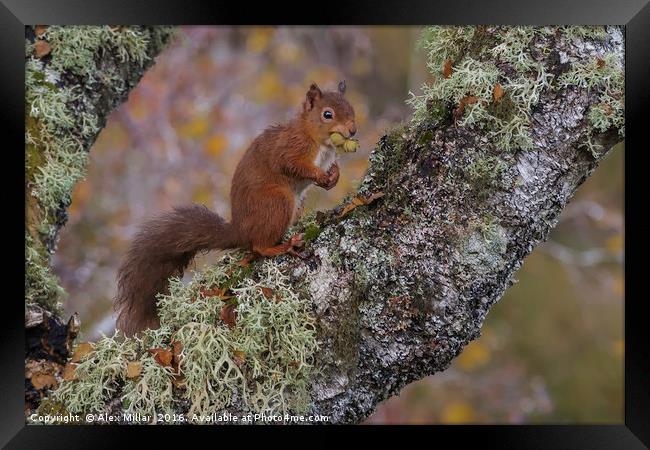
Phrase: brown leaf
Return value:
(69, 372)
(600, 63)
(133, 369)
(267, 292)
(359, 201)
(446, 68)
(211, 292)
(373, 197)
(41, 48)
(270, 294)
(42, 380)
(39, 30)
(215, 292)
(469, 100)
(81, 351)
(162, 356)
(497, 93)
(229, 314)
(239, 358)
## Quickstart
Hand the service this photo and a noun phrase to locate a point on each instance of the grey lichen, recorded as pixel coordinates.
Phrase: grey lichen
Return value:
(494, 76)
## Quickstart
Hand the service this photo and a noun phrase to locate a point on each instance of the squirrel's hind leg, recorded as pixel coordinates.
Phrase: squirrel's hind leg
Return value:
(271, 220)
(290, 246)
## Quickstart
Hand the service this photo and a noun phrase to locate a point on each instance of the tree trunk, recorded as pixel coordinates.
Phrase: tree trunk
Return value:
(401, 276)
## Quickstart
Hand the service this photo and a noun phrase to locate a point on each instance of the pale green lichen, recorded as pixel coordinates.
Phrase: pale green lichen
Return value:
(264, 362)
(594, 32)
(151, 392)
(76, 48)
(467, 63)
(99, 374)
(470, 54)
(606, 77)
(41, 285)
(59, 128)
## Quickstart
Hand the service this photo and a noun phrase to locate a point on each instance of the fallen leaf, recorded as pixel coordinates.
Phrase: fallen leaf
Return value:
(210, 292)
(43, 380)
(359, 201)
(239, 358)
(469, 100)
(446, 68)
(162, 356)
(497, 93)
(270, 294)
(41, 48)
(81, 351)
(215, 292)
(133, 369)
(600, 63)
(373, 197)
(69, 372)
(229, 314)
(39, 30)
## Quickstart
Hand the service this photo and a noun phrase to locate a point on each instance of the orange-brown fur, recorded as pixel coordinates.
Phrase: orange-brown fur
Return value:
(265, 197)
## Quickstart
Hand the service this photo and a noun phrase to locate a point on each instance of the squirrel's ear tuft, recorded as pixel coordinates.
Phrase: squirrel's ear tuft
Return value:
(313, 94)
(342, 87)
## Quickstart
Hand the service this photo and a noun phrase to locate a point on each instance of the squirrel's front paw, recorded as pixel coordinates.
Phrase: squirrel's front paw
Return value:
(324, 181)
(328, 180)
(333, 174)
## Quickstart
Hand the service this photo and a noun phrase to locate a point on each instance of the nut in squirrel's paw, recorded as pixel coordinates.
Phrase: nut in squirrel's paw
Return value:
(342, 144)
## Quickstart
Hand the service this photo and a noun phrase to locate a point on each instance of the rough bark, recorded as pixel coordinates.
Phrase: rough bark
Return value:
(399, 286)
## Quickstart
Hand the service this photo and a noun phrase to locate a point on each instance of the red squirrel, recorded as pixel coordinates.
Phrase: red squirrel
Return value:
(266, 195)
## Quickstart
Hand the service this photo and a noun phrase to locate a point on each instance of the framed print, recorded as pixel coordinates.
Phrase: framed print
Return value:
(366, 214)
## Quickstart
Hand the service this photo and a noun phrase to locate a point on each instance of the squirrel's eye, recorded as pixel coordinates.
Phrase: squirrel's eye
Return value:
(328, 115)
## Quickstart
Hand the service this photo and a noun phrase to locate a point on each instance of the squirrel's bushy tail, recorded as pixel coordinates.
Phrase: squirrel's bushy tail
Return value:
(163, 247)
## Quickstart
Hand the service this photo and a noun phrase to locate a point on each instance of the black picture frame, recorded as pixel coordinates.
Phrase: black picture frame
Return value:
(634, 14)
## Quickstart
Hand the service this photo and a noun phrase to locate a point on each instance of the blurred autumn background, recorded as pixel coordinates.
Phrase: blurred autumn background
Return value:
(551, 351)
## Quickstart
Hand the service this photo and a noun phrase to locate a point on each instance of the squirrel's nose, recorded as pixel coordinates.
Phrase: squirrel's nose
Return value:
(352, 129)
